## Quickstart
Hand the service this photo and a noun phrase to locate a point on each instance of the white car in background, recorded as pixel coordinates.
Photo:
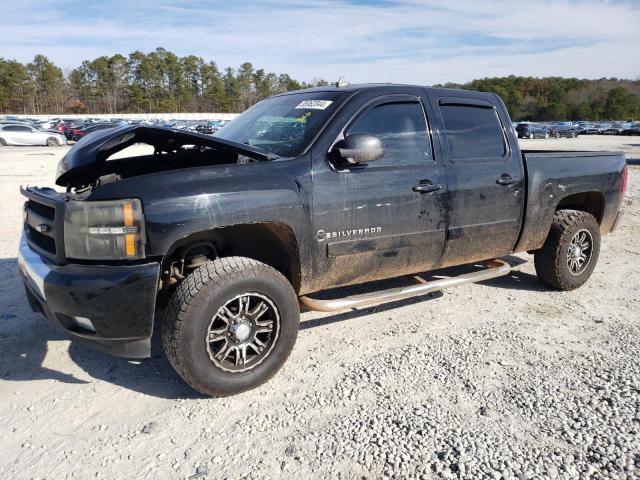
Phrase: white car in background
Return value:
(25, 135)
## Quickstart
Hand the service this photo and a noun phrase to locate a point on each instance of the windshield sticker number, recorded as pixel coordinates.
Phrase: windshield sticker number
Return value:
(314, 104)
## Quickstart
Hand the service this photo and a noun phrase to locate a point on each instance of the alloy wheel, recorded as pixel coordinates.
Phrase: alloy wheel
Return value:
(579, 252)
(243, 332)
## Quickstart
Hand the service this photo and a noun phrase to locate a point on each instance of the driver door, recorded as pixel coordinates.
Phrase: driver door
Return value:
(378, 220)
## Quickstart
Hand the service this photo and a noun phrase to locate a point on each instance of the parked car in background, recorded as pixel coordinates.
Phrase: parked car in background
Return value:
(59, 126)
(590, 129)
(90, 129)
(566, 131)
(14, 122)
(614, 129)
(634, 129)
(20, 134)
(74, 128)
(206, 128)
(534, 130)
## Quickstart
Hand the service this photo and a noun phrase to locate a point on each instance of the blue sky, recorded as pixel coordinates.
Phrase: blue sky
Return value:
(412, 41)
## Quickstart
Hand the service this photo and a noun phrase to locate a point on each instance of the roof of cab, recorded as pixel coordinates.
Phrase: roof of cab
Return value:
(383, 86)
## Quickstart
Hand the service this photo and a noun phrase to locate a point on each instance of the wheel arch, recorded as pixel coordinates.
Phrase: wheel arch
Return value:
(272, 243)
(590, 202)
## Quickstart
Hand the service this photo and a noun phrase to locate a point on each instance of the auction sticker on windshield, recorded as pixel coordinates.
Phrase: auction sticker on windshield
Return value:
(314, 104)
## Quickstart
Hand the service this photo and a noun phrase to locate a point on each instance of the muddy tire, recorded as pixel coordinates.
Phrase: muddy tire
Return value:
(570, 252)
(230, 325)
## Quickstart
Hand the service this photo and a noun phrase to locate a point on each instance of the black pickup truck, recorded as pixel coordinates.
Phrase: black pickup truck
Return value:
(304, 192)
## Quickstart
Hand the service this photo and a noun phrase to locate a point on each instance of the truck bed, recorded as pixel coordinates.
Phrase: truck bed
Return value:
(561, 177)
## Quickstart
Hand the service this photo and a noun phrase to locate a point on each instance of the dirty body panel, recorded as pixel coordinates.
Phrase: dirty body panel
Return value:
(555, 176)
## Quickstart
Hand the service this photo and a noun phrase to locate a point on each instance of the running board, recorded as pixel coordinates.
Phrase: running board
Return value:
(495, 268)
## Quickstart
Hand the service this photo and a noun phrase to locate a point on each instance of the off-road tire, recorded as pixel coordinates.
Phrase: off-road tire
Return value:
(551, 260)
(195, 302)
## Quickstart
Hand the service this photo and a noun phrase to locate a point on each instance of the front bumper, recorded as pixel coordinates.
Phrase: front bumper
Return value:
(107, 307)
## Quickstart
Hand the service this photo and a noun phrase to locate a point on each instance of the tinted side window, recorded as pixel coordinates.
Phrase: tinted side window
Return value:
(16, 128)
(472, 132)
(401, 127)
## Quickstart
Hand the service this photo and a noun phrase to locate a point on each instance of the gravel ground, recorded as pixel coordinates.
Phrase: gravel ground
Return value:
(502, 379)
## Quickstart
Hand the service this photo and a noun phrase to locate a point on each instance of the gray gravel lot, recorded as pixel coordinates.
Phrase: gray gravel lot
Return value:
(502, 379)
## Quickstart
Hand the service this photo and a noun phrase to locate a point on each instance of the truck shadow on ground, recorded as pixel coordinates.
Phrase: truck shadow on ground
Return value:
(151, 376)
(26, 339)
(25, 336)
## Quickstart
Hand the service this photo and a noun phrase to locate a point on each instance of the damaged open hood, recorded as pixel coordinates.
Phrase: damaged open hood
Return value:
(85, 161)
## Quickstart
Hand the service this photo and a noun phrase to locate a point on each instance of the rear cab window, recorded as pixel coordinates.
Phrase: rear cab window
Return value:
(473, 132)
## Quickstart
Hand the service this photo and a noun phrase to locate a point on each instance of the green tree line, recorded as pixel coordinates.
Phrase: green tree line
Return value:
(158, 81)
(161, 81)
(556, 98)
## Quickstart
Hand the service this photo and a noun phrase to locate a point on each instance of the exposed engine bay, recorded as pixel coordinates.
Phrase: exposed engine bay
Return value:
(88, 165)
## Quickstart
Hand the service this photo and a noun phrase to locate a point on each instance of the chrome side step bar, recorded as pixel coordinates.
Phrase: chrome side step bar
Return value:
(495, 268)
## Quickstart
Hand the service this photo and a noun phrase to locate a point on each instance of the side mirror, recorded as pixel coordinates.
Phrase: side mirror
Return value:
(360, 148)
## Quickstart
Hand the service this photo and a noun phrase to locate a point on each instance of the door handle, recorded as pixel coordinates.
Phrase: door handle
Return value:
(425, 186)
(506, 179)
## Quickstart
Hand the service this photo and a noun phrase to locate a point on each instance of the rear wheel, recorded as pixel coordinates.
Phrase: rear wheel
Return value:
(570, 252)
(52, 142)
(230, 325)
(3, 142)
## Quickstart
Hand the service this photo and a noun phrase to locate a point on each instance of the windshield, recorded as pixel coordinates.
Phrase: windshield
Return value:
(283, 125)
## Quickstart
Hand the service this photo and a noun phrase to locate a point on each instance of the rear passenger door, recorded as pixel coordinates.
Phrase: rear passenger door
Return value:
(484, 177)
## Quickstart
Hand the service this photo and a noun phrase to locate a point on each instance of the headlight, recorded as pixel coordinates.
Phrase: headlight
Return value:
(105, 230)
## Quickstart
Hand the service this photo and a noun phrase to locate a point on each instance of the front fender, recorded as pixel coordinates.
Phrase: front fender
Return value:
(179, 203)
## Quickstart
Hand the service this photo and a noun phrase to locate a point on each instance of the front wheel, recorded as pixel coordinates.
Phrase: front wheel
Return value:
(230, 325)
(570, 252)
(52, 142)
(3, 142)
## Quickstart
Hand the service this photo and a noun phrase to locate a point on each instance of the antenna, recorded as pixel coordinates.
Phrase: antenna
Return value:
(341, 82)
